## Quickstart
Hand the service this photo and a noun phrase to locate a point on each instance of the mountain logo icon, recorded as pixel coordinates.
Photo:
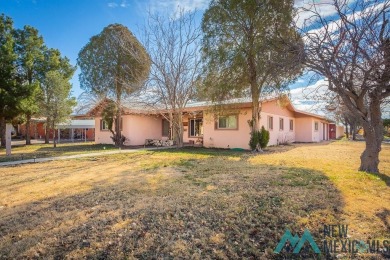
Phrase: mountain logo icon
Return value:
(295, 243)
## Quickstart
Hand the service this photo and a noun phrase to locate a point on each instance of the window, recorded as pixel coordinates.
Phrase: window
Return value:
(196, 128)
(227, 122)
(103, 125)
(281, 124)
(316, 126)
(291, 125)
(165, 128)
(270, 123)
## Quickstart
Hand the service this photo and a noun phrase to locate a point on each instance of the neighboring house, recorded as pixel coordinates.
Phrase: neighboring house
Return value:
(227, 128)
(79, 127)
(37, 128)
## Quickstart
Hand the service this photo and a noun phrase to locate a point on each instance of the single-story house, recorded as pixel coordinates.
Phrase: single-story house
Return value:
(223, 128)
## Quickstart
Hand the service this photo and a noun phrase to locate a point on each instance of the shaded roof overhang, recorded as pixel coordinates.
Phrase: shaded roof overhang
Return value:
(77, 124)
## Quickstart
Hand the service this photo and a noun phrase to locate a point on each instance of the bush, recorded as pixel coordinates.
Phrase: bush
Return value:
(264, 137)
(259, 139)
(255, 140)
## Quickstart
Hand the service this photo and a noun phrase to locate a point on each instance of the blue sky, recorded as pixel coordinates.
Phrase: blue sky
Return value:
(68, 25)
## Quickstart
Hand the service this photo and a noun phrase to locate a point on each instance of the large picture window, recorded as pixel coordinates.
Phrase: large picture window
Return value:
(196, 128)
(227, 122)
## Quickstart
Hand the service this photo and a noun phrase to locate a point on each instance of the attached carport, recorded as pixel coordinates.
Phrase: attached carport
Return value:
(81, 127)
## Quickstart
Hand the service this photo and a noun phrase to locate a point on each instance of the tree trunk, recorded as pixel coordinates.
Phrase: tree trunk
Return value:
(346, 130)
(171, 128)
(369, 160)
(178, 129)
(354, 132)
(350, 129)
(28, 126)
(2, 131)
(255, 92)
(255, 113)
(54, 137)
(47, 134)
(118, 132)
(373, 129)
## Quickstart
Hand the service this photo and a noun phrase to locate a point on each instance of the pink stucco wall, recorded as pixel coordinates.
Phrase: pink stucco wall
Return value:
(101, 136)
(140, 127)
(339, 131)
(304, 129)
(227, 138)
(136, 128)
(240, 138)
(277, 135)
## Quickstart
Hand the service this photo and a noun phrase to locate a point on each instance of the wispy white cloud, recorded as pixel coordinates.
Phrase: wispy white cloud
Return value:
(122, 4)
(304, 7)
(311, 98)
(176, 6)
(112, 5)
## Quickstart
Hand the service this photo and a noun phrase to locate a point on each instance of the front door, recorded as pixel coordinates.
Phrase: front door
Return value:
(332, 131)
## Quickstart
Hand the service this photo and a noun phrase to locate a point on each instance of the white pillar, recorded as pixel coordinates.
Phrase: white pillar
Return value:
(8, 130)
(85, 135)
(59, 137)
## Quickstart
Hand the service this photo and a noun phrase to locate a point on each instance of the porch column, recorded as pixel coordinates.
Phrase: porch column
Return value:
(59, 137)
(8, 130)
(85, 135)
(72, 133)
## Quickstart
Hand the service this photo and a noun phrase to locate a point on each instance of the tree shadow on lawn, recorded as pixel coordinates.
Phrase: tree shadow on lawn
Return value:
(238, 151)
(207, 211)
(384, 216)
(190, 150)
(383, 177)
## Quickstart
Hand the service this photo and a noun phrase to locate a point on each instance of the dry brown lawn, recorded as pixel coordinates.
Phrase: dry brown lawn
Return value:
(22, 152)
(189, 203)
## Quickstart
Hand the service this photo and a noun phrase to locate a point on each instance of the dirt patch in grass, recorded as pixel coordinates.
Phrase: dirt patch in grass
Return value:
(190, 203)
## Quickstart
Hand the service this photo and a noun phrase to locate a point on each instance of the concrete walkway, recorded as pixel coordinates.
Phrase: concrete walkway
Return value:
(66, 157)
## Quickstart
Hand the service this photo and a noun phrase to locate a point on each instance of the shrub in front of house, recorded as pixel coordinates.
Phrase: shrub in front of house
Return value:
(259, 139)
(264, 138)
(255, 140)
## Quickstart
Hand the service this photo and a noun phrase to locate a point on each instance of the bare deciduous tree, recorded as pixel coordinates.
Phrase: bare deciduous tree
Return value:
(173, 46)
(352, 50)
